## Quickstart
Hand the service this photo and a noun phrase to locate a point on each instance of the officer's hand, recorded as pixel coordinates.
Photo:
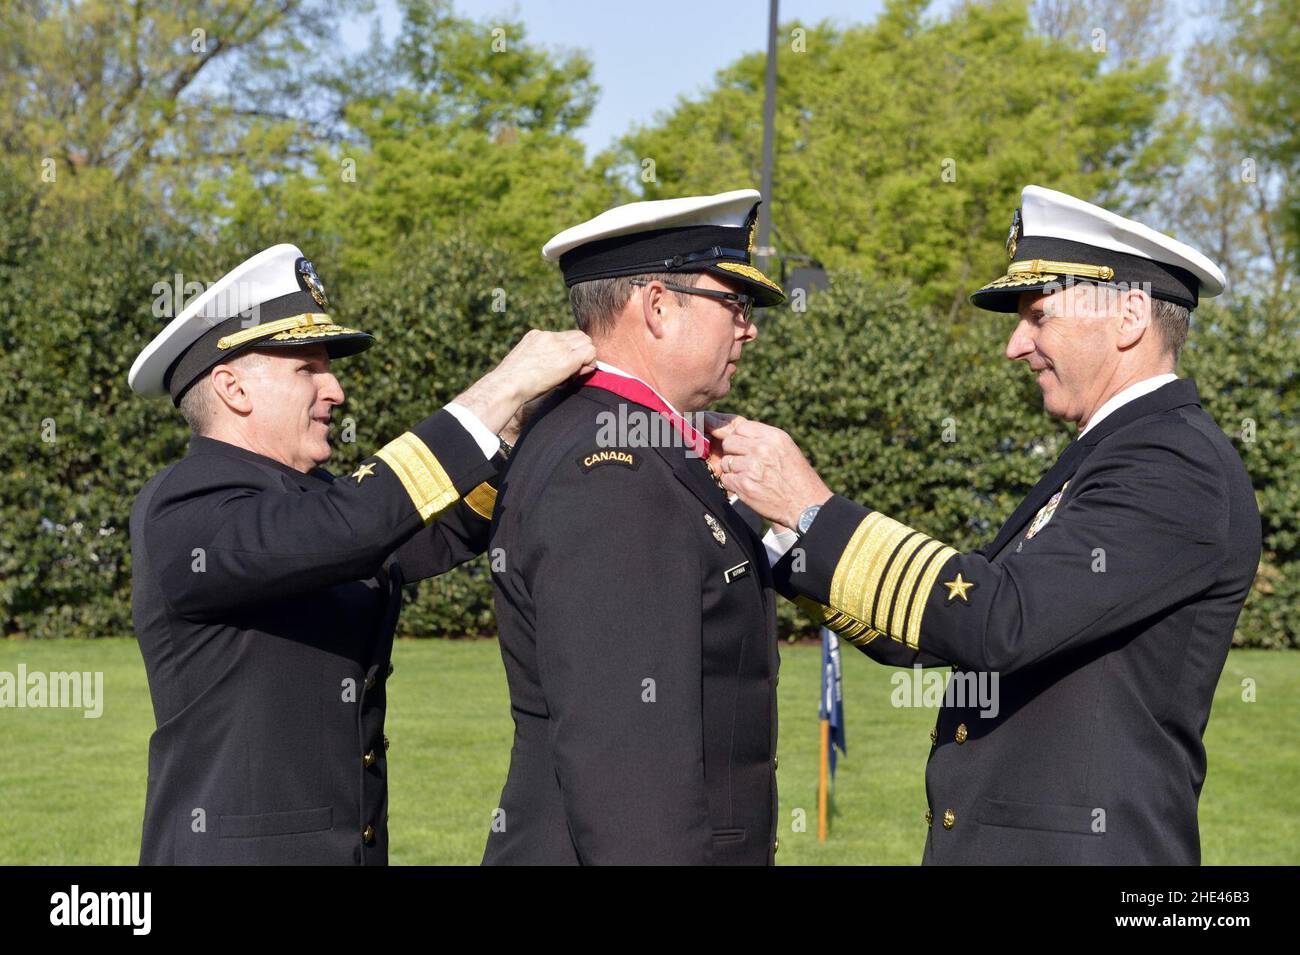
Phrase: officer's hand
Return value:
(766, 468)
(713, 420)
(543, 360)
(537, 364)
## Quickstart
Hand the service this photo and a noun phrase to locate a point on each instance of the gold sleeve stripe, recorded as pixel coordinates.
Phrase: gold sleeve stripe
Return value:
(856, 584)
(425, 480)
(854, 631)
(482, 500)
(911, 575)
(898, 560)
(924, 584)
(884, 576)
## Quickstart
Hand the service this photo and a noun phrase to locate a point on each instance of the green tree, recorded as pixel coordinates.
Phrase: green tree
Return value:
(468, 127)
(175, 93)
(902, 145)
(76, 273)
(1237, 197)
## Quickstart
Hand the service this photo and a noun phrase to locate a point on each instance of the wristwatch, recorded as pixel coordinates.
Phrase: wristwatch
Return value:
(806, 517)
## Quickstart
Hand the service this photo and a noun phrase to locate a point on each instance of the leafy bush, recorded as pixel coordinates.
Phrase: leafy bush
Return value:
(906, 412)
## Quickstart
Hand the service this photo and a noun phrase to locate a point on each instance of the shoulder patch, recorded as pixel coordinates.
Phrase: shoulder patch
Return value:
(594, 459)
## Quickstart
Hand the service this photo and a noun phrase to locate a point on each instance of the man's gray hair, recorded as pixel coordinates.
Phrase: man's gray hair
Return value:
(596, 304)
(198, 405)
(1172, 321)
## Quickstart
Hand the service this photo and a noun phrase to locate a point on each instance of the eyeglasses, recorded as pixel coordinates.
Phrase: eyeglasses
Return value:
(746, 302)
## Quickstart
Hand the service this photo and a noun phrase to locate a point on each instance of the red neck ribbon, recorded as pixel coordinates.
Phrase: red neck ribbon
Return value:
(638, 391)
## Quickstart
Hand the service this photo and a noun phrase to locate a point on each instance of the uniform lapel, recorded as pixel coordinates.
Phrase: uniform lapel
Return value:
(1048, 485)
(1173, 395)
(692, 472)
(1176, 394)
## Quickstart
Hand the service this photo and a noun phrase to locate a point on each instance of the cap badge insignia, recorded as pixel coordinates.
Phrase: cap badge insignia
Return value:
(311, 283)
(719, 534)
(752, 222)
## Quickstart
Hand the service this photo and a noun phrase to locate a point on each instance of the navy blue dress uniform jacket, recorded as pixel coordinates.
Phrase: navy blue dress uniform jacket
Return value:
(265, 602)
(638, 632)
(1106, 613)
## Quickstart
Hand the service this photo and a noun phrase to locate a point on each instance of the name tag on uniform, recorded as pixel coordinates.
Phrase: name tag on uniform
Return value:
(735, 573)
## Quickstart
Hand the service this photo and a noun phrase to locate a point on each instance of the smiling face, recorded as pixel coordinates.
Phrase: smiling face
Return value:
(704, 340)
(1073, 343)
(288, 394)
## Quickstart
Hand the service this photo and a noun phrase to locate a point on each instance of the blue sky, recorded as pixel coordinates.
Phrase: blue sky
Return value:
(646, 53)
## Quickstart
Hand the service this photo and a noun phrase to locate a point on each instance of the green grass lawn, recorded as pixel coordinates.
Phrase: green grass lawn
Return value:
(72, 789)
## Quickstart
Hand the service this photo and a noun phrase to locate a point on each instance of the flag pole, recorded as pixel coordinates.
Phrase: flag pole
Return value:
(823, 780)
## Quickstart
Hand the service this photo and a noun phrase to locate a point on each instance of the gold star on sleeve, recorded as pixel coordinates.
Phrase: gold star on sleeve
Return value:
(957, 587)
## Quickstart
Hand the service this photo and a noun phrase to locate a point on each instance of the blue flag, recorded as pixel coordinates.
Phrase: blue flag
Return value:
(832, 702)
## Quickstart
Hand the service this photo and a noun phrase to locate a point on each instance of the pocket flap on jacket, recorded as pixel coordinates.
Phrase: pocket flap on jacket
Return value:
(1037, 815)
(725, 836)
(275, 823)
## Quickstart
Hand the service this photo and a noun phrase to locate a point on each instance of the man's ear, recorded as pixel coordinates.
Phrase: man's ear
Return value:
(227, 384)
(654, 299)
(1134, 316)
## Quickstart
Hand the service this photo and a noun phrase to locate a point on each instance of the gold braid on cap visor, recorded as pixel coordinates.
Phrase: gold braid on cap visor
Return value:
(751, 273)
(1034, 271)
(1077, 269)
(305, 326)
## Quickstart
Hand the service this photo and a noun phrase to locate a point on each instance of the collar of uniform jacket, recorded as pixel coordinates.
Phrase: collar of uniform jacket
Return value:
(615, 370)
(309, 481)
(1131, 393)
(1177, 393)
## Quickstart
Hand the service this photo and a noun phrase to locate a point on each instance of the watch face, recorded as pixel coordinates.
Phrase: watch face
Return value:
(806, 518)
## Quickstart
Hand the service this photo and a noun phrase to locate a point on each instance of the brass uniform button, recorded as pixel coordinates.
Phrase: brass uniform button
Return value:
(776, 845)
(961, 733)
(368, 835)
(390, 667)
(934, 736)
(929, 818)
(776, 763)
(368, 760)
(387, 742)
(949, 818)
(370, 681)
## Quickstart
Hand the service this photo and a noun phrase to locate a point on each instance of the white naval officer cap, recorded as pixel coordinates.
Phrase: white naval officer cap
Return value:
(273, 300)
(692, 234)
(1056, 239)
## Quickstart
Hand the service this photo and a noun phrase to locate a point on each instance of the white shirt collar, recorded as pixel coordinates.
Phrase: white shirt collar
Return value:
(1132, 392)
(614, 370)
(606, 366)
